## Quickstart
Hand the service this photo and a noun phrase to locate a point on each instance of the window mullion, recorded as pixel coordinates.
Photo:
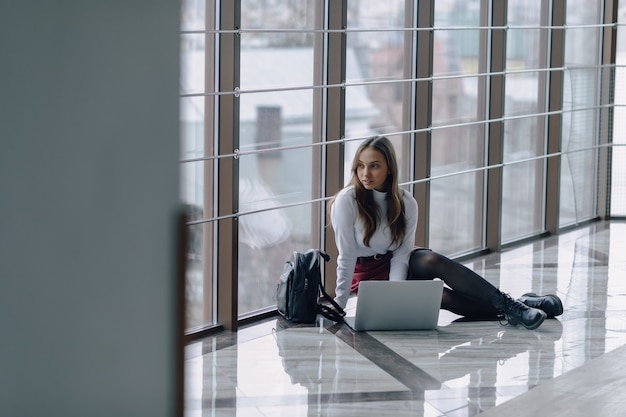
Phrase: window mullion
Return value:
(228, 168)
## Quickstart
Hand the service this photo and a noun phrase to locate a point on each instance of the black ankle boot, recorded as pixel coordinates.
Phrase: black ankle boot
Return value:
(549, 304)
(516, 312)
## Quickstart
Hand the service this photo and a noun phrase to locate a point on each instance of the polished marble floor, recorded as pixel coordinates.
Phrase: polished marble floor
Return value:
(574, 365)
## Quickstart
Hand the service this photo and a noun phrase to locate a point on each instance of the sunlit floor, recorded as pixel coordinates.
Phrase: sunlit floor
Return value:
(571, 366)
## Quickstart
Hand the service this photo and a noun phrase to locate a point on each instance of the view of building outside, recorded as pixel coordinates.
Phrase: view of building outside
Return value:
(458, 137)
(375, 47)
(526, 93)
(581, 99)
(278, 202)
(273, 119)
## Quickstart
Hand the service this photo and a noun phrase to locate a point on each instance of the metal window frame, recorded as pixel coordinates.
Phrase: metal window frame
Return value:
(555, 120)
(229, 43)
(495, 131)
(422, 117)
(609, 53)
(335, 102)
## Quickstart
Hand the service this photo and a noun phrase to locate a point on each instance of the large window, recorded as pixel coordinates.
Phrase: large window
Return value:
(458, 135)
(275, 135)
(581, 98)
(196, 145)
(617, 194)
(525, 128)
(277, 94)
(375, 76)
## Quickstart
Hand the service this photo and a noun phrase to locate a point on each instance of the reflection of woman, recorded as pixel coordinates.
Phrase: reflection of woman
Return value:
(375, 221)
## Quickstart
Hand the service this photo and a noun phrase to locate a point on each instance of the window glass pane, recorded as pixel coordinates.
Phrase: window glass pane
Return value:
(456, 205)
(524, 137)
(195, 275)
(192, 63)
(375, 57)
(457, 51)
(271, 177)
(455, 224)
(580, 120)
(192, 15)
(618, 165)
(266, 241)
(375, 14)
(270, 67)
(281, 15)
(198, 287)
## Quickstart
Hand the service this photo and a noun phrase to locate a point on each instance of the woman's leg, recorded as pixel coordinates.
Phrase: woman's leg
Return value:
(470, 294)
(463, 306)
(427, 264)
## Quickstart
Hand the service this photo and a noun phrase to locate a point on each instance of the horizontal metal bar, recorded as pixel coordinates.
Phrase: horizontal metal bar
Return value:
(409, 183)
(393, 81)
(239, 153)
(396, 29)
(247, 213)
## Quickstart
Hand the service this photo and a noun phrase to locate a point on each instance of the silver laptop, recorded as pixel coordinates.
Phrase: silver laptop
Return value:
(397, 305)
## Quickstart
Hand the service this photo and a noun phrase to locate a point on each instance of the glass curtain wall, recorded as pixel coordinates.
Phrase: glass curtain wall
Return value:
(375, 77)
(525, 125)
(458, 125)
(292, 127)
(618, 163)
(578, 195)
(196, 154)
(276, 134)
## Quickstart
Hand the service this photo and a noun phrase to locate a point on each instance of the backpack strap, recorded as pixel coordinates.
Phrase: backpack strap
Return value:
(332, 312)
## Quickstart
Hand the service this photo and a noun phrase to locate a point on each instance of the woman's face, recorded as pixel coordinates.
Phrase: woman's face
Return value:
(372, 169)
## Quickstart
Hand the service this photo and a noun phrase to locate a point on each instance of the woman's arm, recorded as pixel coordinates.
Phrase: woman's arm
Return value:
(343, 217)
(400, 260)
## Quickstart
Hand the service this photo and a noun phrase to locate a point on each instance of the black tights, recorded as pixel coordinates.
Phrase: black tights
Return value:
(468, 294)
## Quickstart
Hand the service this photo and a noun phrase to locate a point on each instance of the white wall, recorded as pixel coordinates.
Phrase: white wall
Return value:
(88, 198)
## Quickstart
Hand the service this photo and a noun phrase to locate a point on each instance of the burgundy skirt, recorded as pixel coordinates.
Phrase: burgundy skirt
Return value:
(374, 269)
(371, 270)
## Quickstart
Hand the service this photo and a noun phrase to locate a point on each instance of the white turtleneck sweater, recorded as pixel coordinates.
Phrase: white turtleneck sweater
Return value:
(349, 232)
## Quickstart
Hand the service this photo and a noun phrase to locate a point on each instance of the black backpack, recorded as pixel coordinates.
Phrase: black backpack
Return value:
(300, 287)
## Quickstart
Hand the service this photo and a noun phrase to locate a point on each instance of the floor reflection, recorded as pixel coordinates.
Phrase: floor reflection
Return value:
(461, 369)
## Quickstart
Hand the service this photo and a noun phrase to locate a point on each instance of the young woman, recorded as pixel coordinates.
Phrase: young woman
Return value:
(374, 221)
